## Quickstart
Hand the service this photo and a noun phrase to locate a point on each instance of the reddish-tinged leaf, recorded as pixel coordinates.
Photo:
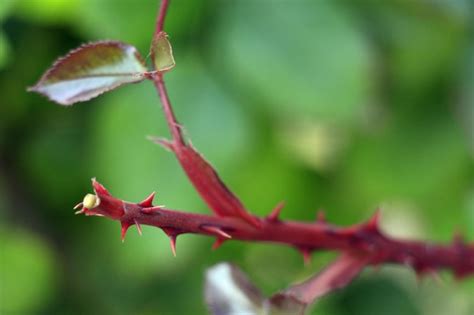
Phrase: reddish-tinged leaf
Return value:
(91, 70)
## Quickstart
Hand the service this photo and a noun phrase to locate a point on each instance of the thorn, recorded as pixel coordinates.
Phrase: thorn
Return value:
(125, 226)
(219, 241)
(80, 211)
(306, 255)
(99, 188)
(79, 205)
(173, 244)
(215, 230)
(167, 144)
(139, 227)
(374, 222)
(275, 214)
(151, 209)
(148, 201)
(172, 234)
(321, 217)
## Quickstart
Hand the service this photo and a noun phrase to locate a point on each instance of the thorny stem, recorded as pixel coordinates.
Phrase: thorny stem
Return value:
(201, 174)
(232, 220)
(366, 238)
(366, 243)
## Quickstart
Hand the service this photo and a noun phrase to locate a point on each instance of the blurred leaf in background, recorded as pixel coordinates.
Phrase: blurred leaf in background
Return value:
(342, 105)
(5, 7)
(28, 272)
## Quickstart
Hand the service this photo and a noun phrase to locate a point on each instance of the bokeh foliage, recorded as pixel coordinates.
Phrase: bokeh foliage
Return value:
(336, 104)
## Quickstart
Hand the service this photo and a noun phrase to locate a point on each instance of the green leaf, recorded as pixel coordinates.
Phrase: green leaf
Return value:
(5, 7)
(4, 49)
(28, 272)
(162, 53)
(104, 19)
(51, 12)
(313, 61)
(91, 70)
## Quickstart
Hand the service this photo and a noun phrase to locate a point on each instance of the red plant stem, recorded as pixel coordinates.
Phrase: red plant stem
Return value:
(312, 236)
(366, 238)
(173, 124)
(157, 78)
(233, 221)
(201, 174)
(160, 21)
(336, 275)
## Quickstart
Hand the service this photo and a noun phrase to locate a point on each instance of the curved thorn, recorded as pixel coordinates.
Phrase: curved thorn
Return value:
(167, 144)
(215, 230)
(148, 201)
(172, 234)
(151, 209)
(83, 210)
(374, 222)
(275, 214)
(306, 255)
(79, 205)
(125, 226)
(99, 188)
(173, 244)
(219, 241)
(139, 227)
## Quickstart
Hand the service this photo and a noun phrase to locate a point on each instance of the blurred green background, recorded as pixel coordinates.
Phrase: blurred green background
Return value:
(336, 104)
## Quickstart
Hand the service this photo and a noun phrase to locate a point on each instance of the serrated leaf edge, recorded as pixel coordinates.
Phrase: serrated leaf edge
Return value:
(61, 60)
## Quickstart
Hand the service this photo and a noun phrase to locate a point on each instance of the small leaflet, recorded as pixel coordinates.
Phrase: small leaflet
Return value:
(162, 53)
